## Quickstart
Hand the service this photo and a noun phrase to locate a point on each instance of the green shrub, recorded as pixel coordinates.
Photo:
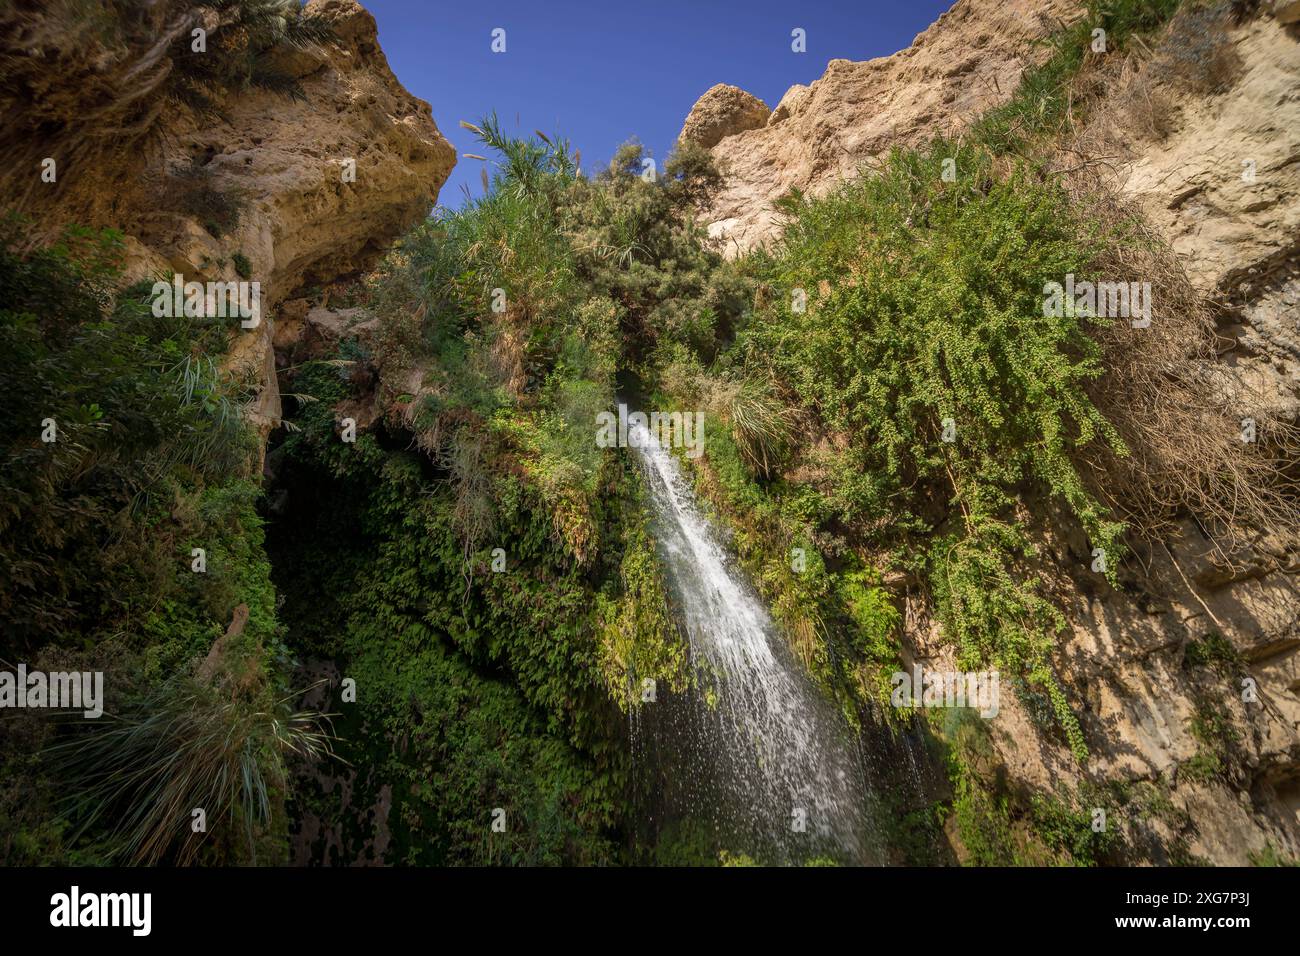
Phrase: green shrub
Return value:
(1216, 740)
(196, 195)
(639, 637)
(1270, 856)
(924, 314)
(151, 460)
(241, 51)
(1046, 98)
(137, 421)
(1214, 651)
(1065, 825)
(492, 694)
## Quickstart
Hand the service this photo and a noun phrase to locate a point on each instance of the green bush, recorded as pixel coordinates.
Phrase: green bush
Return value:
(477, 690)
(151, 458)
(1047, 98)
(137, 422)
(196, 195)
(241, 51)
(923, 315)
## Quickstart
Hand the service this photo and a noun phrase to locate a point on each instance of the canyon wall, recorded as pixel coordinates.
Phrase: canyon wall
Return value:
(325, 172)
(969, 60)
(1216, 174)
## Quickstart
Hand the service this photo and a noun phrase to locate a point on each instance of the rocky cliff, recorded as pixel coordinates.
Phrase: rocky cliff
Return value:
(300, 170)
(970, 59)
(1215, 167)
(1202, 132)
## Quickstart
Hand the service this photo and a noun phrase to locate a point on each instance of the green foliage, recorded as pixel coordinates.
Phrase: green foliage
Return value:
(999, 826)
(998, 617)
(1046, 99)
(1213, 651)
(504, 688)
(760, 423)
(196, 194)
(913, 835)
(1270, 856)
(876, 622)
(924, 310)
(924, 305)
(981, 813)
(138, 421)
(243, 268)
(639, 638)
(636, 242)
(688, 842)
(136, 777)
(1066, 827)
(241, 51)
(1212, 728)
(479, 690)
(151, 460)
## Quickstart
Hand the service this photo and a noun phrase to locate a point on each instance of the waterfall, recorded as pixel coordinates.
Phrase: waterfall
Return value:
(756, 749)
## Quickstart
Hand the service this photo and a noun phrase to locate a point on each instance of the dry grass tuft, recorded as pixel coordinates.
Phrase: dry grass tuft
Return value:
(506, 356)
(1140, 92)
(1178, 407)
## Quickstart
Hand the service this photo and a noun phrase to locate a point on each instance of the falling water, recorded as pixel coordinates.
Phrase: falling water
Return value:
(754, 748)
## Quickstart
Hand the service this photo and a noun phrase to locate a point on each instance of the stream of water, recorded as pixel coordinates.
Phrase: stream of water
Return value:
(756, 749)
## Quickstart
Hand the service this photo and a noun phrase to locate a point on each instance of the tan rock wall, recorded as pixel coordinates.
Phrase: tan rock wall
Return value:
(281, 158)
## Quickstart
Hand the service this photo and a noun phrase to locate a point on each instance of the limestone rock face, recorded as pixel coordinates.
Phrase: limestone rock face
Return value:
(288, 159)
(287, 162)
(970, 59)
(1223, 188)
(791, 103)
(1221, 184)
(721, 112)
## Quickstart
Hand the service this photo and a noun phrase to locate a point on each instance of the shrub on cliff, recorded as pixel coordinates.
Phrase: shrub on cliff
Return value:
(901, 319)
(124, 450)
(515, 313)
(116, 415)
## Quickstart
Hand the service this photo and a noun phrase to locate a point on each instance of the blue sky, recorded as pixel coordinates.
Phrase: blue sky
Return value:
(600, 73)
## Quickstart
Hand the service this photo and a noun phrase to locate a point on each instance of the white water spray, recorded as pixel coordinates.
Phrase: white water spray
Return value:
(782, 772)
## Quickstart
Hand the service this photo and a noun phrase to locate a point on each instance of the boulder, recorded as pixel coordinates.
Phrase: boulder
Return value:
(721, 112)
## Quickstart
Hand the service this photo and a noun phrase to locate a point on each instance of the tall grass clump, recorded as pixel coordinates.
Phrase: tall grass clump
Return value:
(135, 779)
